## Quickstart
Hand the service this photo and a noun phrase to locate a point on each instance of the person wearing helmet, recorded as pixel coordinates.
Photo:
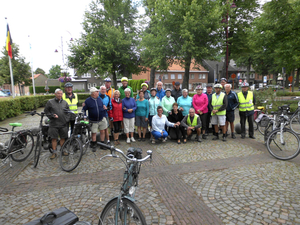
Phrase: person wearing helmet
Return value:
(223, 81)
(144, 87)
(177, 91)
(200, 102)
(72, 100)
(109, 90)
(218, 105)
(167, 102)
(233, 103)
(124, 81)
(246, 110)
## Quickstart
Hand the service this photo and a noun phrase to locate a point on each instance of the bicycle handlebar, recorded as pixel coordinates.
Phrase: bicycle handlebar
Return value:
(113, 150)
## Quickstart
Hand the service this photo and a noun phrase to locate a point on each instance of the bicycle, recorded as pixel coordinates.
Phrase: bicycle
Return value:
(74, 147)
(122, 209)
(295, 119)
(283, 143)
(258, 124)
(18, 147)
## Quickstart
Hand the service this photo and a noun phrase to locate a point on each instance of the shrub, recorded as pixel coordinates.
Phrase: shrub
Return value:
(41, 89)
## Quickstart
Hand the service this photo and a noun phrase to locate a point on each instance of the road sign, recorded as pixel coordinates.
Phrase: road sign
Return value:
(290, 79)
(233, 76)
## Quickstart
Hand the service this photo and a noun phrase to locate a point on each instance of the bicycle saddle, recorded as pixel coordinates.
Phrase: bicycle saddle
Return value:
(15, 124)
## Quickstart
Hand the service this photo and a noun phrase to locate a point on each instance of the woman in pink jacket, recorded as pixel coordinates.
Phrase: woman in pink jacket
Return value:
(200, 102)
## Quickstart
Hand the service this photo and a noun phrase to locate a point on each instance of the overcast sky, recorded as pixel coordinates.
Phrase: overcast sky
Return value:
(45, 22)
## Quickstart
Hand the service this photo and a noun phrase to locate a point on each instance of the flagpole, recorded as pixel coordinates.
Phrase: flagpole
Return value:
(33, 85)
(11, 79)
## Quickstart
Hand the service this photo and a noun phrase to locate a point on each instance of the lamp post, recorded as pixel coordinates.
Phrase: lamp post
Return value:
(226, 30)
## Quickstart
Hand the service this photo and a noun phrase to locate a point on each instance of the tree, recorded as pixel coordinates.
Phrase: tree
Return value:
(55, 72)
(39, 71)
(108, 44)
(183, 31)
(21, 69)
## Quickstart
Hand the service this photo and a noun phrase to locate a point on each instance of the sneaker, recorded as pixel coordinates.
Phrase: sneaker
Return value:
(204, 136)
(224, 138)
(153, 141)
(164, 140)
(139, 139)
(216, 138)
(116, 142)
(199, 139)
(233, 136)
(132, 139)
(108, 142)
(143, 139)
(252, 137)
(53, 156)
(243, 136)
(128, 140)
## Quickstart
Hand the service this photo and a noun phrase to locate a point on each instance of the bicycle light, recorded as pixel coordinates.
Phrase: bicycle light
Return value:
(131, 190)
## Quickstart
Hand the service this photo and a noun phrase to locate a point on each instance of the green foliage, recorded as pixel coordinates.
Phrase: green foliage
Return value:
(108, 44)
(287, 93)
(55, 72)
(267, 94)
(21, 69)
(39, 71)
(41, 89)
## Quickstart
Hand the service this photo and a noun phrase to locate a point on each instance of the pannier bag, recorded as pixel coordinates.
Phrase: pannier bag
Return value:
(61, 216)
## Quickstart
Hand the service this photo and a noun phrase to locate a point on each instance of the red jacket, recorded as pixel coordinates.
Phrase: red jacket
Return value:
(116, 112)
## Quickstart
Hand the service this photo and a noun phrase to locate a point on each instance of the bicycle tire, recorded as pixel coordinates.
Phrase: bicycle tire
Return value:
(261, 129)
(295, 123)
(107, 216)
(275, 147)
(37, 150)
(27, 147)
(255, 125)
(85, 139)
(70, 154)
(267, 131)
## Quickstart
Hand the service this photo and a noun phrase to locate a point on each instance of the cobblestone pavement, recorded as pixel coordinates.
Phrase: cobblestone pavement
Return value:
(213, 182)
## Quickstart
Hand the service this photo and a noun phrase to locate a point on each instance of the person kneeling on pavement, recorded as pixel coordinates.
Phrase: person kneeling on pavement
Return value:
(192, 123)
(97, 112)
(218, 105)
(158, 125)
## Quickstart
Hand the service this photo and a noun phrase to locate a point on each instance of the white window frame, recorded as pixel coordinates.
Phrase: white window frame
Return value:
(157, 76)
(200, 76)
(190, 86)
(192, 76)
(172, 76)
(203, 76)
(166, 77)
(86, 75)
(179, 76)
(94, 85)
(89, 85)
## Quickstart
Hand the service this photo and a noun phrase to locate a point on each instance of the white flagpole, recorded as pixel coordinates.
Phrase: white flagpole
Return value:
(33, 85)
(11, 79)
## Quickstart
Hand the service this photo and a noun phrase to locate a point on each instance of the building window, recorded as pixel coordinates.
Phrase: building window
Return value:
(168, 86)
(200, 76)
(190, 86)
(94, 85)
(165, 76)
(86, 75)
(192, 76)
(252, 75)
(157, 76)
(89, 85)
(173, 76)
(179, 76)
(203, 76)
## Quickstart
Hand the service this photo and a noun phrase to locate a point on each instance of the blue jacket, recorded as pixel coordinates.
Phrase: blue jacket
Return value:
(95, 109)
(209, 96)
(128, 103)
(107, 102)
(146, 95)
(185, 103)
(160, 93)
(233, 101)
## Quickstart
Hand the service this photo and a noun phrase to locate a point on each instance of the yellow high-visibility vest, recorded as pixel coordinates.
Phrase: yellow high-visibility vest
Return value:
(73, 104)
(217, 103)
(246, 104)
(194, 123)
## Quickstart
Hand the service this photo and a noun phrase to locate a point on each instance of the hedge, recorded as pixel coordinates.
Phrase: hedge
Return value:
(41, 89)
(136, 84)
(10, 107)
(287, 93)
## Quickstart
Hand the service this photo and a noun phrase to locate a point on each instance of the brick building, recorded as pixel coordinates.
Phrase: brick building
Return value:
(198, 75)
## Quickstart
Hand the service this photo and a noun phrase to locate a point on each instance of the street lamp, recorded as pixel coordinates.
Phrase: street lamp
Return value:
(226, 30)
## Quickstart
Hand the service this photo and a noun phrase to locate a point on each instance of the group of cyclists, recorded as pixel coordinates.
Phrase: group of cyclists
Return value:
(168, 113)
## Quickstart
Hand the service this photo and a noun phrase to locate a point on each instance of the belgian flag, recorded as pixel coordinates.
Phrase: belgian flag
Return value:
(8, 42)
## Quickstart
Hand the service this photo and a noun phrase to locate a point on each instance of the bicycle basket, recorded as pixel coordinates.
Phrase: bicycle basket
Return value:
(264, 121)
(136, 152)
(23, 138)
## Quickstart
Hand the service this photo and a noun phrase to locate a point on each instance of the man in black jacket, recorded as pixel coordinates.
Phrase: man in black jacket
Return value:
(56, 110)
(176, 92)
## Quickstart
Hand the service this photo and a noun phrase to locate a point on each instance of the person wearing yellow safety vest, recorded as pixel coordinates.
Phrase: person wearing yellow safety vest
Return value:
(218, 105)
(192, 122)
(72, 100)
(246, 110)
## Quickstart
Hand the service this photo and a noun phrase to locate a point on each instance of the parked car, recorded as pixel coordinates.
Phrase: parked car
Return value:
(7, 91)
(3, 94)
(276, 87)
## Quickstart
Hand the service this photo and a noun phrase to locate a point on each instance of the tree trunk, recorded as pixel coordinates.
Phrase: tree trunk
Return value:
(152, 77)
(293, 74)
(187, 64)
(19, 88)
(248, 71)
(115, 80)
(286, 80)
(297, 78)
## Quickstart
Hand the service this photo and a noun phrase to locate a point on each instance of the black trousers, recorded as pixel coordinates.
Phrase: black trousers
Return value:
(177, 129)
(204, 119)
(71, 124)
(207, 122)
(243, 118)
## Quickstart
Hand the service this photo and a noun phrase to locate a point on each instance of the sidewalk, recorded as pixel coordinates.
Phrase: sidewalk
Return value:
(213, 182)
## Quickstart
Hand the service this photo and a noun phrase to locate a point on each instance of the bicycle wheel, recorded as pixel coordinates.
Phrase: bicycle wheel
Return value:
(85, 139)
(261, 129)
(128, 213)
(70, 154)
(267, 131)
(285, 146)
(295, 123)
(37, 150)
(22, 146)
(255, 125)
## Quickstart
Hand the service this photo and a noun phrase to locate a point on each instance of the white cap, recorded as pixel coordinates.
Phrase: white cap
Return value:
(93, 89)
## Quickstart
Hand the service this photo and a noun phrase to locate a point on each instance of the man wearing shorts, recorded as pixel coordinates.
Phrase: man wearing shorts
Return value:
(233, 103)
(96, 111)
(56, 110)
(218, 105)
